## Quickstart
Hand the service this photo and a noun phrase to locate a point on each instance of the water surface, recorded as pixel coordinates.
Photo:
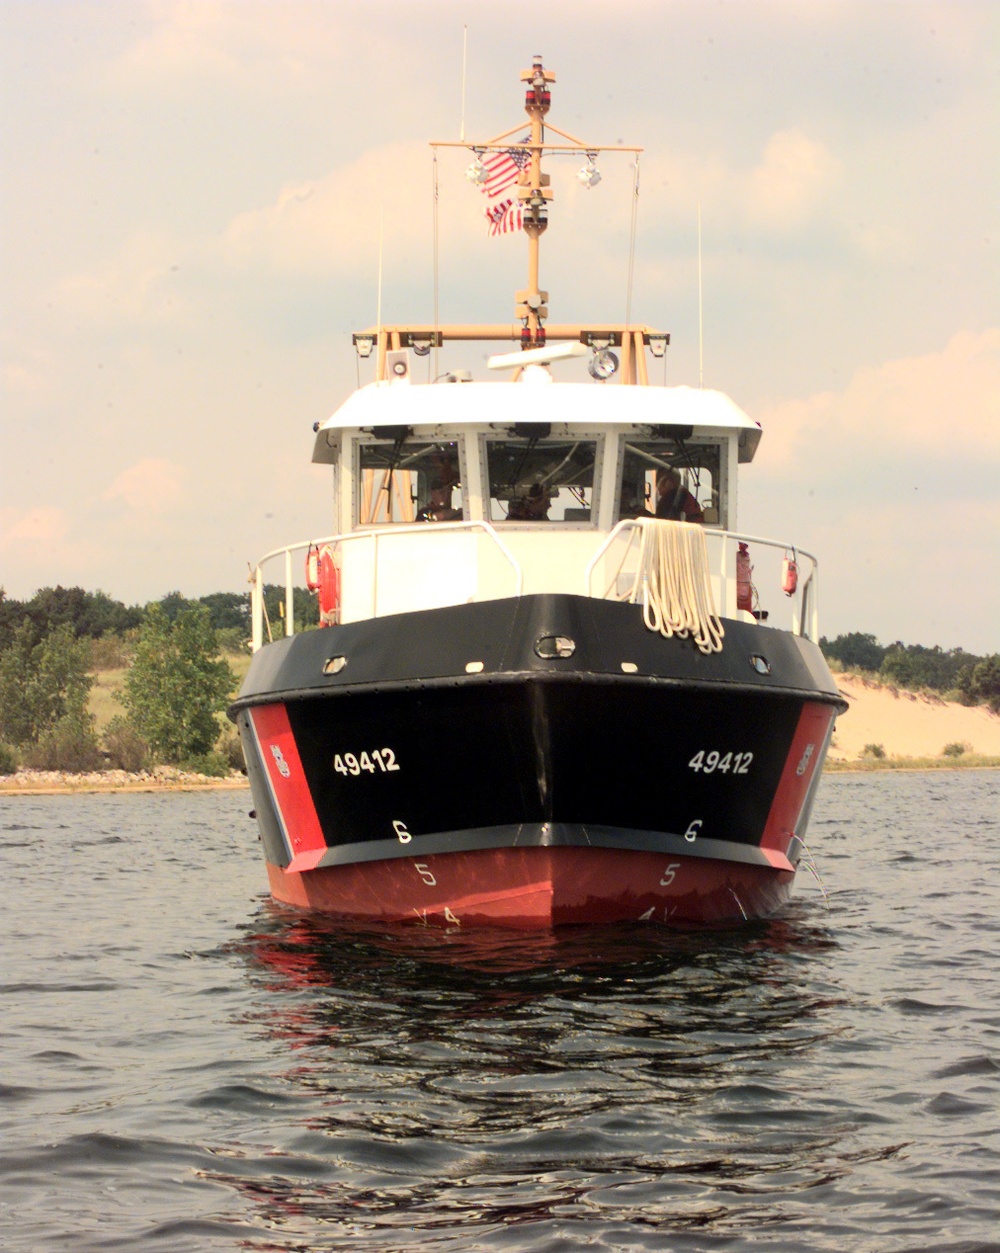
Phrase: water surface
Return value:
(188, 1067)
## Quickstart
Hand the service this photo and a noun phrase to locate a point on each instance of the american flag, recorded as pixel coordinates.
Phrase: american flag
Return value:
(503, 168)
(504, 216)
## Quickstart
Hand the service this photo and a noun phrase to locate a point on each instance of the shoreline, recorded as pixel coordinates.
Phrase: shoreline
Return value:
(55, 783)
(911, 728)
(162, 779)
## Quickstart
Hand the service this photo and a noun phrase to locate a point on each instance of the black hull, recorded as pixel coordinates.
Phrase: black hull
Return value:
(446, 733)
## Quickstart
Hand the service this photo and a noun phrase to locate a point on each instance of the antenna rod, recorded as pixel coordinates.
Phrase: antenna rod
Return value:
(380, 346)
(465, 49)
(701, 328)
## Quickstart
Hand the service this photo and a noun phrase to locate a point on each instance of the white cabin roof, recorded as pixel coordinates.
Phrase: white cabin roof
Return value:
(586, 405)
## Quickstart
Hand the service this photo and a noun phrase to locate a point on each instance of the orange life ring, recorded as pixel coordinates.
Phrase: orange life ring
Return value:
(323, 576)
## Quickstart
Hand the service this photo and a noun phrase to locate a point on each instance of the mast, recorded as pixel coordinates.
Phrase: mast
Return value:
(532, 303)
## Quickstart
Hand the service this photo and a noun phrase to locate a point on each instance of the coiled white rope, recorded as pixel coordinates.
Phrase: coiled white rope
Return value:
(674, 583)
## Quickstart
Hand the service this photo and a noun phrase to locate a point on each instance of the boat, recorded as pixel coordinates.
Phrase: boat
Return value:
(552, 682)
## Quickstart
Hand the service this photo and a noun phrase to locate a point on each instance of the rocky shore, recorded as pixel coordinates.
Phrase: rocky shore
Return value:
(160, 779)
(911, 729)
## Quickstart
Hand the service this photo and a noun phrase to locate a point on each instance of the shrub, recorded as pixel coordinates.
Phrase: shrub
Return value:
(955, 749)
(231, 748)
(70, 745)
(233, 639)
(176, 684)
(125, 747)
(214, 764)
(8, 759)
(110, 652)
(873, 752)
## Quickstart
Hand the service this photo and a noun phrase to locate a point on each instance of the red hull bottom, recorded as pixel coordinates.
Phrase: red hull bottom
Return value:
(539, 887)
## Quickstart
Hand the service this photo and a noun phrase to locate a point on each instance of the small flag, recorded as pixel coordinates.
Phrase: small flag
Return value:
(504, 216)
(503, 169)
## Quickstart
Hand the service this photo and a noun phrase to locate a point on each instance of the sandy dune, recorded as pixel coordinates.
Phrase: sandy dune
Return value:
(907, 725)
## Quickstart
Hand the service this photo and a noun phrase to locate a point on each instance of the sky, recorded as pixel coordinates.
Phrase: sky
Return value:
(192, 199)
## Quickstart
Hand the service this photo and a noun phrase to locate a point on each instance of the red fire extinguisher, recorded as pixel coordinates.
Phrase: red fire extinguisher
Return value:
(744, 588)
(789, 574)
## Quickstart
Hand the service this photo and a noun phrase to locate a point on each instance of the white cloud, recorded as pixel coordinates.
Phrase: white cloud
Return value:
(33, 528)
(247, 44)
(794, 178)
(943, 405)
(135, 285)
(331, 224)
(791, 183)
(150, 486)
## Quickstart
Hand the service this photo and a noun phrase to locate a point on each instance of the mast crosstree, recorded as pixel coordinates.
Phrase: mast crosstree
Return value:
(531, 309)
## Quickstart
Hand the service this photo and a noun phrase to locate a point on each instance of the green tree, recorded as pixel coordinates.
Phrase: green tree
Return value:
(980, 684)
(304, 603)
(41, 681)
(913, 665)
(93, 614)
(174, 604)
(177, 684)
(229, 610)
(854, 649)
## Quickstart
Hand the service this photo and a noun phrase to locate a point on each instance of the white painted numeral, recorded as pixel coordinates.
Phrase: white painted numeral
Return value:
(691, 834)
(353, 764)
(400, 828)
(709, 762)
(670, 874)
(425, 874)
(450, 917)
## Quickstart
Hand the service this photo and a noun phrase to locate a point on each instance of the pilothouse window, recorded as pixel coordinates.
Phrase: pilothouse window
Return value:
(670, 478)
(541, 479)
(405, 480)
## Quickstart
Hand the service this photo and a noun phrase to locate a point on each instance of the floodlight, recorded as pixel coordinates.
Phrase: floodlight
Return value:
(658, 344)
(364, 344)
(589, 175)
(477, 172)
(602, 365)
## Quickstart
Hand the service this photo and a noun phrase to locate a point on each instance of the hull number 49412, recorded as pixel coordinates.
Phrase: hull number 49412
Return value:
(380, 759)
(738, 763)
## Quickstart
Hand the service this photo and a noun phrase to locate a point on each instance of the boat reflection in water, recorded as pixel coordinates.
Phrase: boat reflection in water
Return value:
(425, 1086)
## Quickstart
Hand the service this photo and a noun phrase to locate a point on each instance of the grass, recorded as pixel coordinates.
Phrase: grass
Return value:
(869, 765)
(109, 684)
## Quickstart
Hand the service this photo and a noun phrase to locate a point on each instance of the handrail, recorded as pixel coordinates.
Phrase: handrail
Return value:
(808, 610)
(372, 534)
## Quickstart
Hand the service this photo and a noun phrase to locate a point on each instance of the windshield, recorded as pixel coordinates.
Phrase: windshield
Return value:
(670, 478)
(405, 480)
(541, 479)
